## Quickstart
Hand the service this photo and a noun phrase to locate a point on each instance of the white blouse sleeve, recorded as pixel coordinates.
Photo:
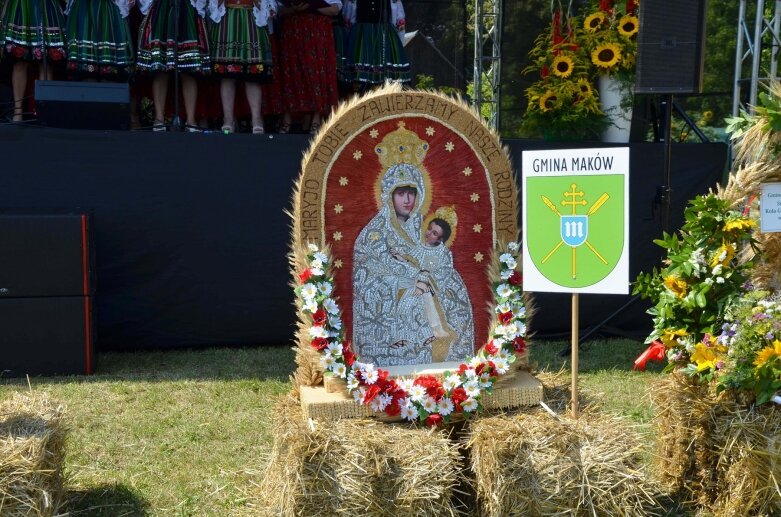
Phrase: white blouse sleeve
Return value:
(398, 18)
(264, 12)
(123, 6)
(200, 6)
(349, 13)
(216, 10)
(145, 5)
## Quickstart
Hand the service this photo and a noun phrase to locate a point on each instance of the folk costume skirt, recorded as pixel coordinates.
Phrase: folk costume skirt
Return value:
(308, 64)
(159, 37)
(20, 30)
(375, 53)
(241, 49)
(98, 40)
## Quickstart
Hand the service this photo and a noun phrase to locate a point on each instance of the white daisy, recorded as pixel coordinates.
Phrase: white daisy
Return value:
(452, 382)
(335, 322)
(445, 406)
(316, 263)
(312, 247)
(511, 330)
(485, 380)
(322, 257)
(506, 274)
(501, 365)
(417, 393)
(505, 258)
(310, 305)
(502, 308)
(513, 246)
(512, 264)
(475, 361)
(334, 348)
(405, 384)
(469, 405)
(308, 291)
(429, 404)
(470, 373)
(471, 388)
(327, 360)
(330, 305)
(340, 370)
(325, 288)
(370, 376)
(409, 413)
(318, 271)
(317, 332)
(504, 290)
(358, 394)
(352, 382)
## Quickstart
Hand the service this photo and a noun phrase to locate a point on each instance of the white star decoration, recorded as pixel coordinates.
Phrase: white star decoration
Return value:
(449, 147)
(343, 181)
(467, 171)
(337, 236)
(338, 209)
(374, 133)
(430, 131)
(475, 197)
(338, 263)
(357, 155)
(478, 257)
(477, 228)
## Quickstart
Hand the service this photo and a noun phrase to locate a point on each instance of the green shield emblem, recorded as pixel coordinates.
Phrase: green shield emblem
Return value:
(575, 227)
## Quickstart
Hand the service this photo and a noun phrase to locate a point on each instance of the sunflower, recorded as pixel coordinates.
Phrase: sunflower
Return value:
(677, 286)
(606, 55)
(628, 26)
(723, 255)
(548, 101)
(739, 224)
(594, 21)
(704, 357)
(562, 66)
(670, 337)
(768, 353)
(584, 87)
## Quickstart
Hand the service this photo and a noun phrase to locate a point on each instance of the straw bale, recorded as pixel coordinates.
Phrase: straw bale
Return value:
(715, 450)
(358, 467)
(538, 464)
(32, 450)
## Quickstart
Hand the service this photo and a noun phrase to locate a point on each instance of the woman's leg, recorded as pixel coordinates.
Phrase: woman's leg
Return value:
(228, 98)
(159, 93)
(254, 96)
(19, 81)
(190, 93)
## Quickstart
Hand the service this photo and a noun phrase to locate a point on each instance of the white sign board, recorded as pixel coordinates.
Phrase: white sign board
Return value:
(770, 208)
(576, 220)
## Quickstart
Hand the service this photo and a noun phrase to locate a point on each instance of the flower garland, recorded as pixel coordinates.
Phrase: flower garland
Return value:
(425, 398)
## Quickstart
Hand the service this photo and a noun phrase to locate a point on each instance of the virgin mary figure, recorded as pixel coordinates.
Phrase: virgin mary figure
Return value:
(392, 290)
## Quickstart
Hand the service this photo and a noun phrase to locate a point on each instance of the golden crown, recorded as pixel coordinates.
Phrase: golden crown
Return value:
(447, 214)
(401, 146)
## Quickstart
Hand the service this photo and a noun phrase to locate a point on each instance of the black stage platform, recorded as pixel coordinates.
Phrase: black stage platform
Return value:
(191, 236)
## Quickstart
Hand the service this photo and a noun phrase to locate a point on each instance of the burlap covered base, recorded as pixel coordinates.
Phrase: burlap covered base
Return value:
(716, 452)
(32, 450)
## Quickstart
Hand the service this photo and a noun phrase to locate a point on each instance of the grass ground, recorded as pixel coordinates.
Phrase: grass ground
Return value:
(185, 433)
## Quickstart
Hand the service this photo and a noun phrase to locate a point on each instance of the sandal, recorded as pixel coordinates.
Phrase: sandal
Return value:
(284, 128)
(227, 129)
(258, 130)
(192, 129)
(159, 125)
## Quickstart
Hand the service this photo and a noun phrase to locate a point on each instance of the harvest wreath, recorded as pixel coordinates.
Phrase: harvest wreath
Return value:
(425, 398)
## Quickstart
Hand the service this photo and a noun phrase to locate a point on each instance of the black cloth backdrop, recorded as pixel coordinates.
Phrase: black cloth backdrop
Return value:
(191, 235)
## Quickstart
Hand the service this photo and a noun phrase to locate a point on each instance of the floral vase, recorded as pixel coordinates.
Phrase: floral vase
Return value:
(611, 93)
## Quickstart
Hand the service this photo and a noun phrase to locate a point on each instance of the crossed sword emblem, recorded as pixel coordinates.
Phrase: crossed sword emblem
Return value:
(572, 199)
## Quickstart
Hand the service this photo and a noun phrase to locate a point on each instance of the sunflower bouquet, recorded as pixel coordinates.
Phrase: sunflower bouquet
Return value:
(610, 36)
(700, 287)
(563, 103)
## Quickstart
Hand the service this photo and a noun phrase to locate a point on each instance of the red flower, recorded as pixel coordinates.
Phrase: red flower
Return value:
(516, 278)
(434, 420)
(305, 275)
(319, 317)
(319, 343)
(545, 72)
(491, 348)
(371, 393)
(347, 353)
(458, 396)
(519, 344)
(393, 408)
(631, 6)
(463, 368)
(606, 5)
(433, 387)
(505, 317)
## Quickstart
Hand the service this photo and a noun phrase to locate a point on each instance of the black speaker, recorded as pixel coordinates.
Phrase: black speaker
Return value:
(670, 46)
(45, 254)
(46, 336)
(83, 105)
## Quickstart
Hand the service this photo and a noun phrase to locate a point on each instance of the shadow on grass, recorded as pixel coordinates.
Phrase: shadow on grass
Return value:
(108, 500)
(594, 356)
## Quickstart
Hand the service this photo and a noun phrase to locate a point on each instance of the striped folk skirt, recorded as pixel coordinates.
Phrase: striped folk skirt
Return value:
(156, 46)
(241, 49)
(20, 30)
(375, 53)
(98, 40)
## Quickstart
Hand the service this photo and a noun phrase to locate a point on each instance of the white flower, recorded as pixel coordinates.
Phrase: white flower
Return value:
(325, 288)
(312, 247)
(513, 246)
(503, 307)
(485, 380)
(475, 361)
(380, 402)
(521, 329)
(501, 365)
(452, 382)
(520, 312)
(352, 382)
(308, 291)
(469, 405)
(335, 322)
(409, 412)
(709, 281)
(370, 376)
(470, 373)
(417, 393)
(405, 384)
(330, 305)
(445, 406)
(512, 264)
(503, 354)
(310, 306)
(359, 394)
(717, 270)
(472, 388)
(322, 257)
(719, 279)
(316, 264)
(504, 290)
(334, 348)
(340, 370)
(318, 271)
(327, 360)
(317, 332)
(506, 257)
(506, 274)
(429, 404)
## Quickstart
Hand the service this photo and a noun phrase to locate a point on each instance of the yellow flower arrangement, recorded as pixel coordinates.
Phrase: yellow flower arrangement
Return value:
(563, 65)
(677, 286)
(610, 35)
(768, 353)
(606, 56)
(708, 355)
(739, 224)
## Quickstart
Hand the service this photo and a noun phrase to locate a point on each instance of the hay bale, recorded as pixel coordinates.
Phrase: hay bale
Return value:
(538, 464)
(715, 450)
(360, 467)
(32, 450)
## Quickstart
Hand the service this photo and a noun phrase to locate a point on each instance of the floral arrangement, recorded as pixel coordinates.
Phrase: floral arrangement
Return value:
(426, 398)
(568, 56)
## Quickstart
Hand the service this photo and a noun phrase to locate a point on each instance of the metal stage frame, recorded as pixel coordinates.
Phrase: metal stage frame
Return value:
(749, 48)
